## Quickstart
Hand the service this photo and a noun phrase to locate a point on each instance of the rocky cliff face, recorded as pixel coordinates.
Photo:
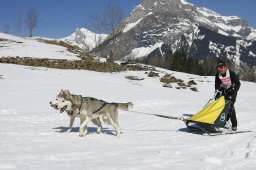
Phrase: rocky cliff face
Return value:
(157, 26)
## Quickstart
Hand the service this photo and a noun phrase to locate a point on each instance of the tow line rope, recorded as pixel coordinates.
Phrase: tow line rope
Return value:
(162, 116)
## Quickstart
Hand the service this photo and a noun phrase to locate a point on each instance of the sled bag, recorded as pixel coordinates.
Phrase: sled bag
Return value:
(216, 113)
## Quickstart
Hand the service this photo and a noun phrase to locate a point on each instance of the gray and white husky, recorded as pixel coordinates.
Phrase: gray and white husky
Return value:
(89, 109)
(65, 105)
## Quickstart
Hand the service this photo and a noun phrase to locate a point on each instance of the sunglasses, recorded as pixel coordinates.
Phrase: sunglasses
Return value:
(221, 67)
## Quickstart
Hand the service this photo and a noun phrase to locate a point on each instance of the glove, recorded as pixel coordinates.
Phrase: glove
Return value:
(218, 94)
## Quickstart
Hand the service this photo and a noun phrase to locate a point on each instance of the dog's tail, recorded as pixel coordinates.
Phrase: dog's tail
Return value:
(125, 106)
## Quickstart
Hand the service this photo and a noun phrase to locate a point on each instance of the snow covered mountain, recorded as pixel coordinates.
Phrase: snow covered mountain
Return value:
(85, 39)
(157, 26)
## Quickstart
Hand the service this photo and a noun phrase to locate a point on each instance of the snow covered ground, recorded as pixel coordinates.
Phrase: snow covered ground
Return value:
(12, 46)
(32, 133)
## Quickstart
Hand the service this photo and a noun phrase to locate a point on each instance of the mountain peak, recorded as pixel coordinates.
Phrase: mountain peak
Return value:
(166, 5)
(157, 26)
(153, 3)
(85, 38)
(177, 8)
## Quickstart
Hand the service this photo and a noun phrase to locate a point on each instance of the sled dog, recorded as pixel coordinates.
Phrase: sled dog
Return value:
(65, 105)
(89, 109)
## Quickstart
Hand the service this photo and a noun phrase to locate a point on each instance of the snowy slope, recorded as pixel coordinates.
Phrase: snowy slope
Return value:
(32, 134)
(84, 38)
(12, 46)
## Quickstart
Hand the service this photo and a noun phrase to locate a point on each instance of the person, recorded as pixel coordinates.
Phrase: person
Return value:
(227, 83)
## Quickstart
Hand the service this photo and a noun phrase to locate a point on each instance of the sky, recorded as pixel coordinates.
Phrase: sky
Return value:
(60, 18)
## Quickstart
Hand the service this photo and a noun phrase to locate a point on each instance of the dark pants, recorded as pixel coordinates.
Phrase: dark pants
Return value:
(233, 114)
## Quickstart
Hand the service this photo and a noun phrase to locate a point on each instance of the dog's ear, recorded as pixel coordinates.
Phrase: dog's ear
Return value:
(61, 92)
(66, 92)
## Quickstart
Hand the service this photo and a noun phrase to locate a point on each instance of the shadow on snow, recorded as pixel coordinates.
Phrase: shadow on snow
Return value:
(62, 129)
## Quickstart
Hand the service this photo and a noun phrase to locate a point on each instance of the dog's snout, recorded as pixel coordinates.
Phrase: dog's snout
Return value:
(50, 103)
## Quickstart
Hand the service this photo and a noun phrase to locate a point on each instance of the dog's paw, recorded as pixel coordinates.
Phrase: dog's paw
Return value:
(99, 130)
(68, 131)
(82, 134)
(118, 134)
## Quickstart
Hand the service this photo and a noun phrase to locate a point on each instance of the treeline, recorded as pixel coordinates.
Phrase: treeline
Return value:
(180, 61)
